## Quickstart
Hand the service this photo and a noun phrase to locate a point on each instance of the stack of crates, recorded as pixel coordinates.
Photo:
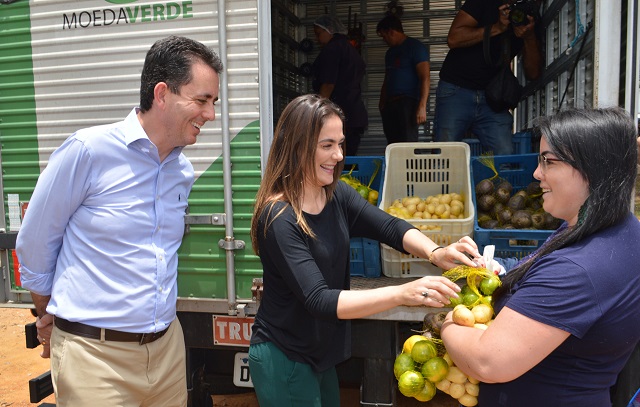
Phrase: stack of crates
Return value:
(365, 253)
(518, 170)
(426, 169)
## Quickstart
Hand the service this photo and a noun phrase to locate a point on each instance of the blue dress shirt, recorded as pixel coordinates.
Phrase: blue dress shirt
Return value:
(103, 227)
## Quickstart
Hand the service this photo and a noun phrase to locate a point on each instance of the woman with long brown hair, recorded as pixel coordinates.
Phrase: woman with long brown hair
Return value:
(303, 220)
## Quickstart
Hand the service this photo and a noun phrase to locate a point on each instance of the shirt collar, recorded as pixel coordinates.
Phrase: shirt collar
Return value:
(136, 132)
(134, 128)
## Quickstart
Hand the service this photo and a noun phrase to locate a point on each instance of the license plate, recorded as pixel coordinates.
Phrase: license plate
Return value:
(241, 375)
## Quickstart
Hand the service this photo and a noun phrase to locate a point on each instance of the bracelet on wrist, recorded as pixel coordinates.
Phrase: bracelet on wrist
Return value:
(431, 254)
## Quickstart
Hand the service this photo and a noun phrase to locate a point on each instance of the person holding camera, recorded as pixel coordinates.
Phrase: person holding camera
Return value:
(461, 105)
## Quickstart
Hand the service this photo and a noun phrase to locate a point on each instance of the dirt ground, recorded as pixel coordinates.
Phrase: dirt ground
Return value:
(18, 365)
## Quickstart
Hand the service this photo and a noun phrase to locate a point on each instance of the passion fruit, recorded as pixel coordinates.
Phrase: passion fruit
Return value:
(533, 189)
(489, 224)
(517, 202)
(504, 216)
(521, 219)
(505, 185)
(502, 195)
(485, 187)
(486, 202)
(537, 220)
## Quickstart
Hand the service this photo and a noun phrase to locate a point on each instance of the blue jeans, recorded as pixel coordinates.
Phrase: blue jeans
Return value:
(279, 381)
(459, 110)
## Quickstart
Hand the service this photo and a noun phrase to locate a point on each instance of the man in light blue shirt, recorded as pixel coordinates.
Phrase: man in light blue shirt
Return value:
(98, 245)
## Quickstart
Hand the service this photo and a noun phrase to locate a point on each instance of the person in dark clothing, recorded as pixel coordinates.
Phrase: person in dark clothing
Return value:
(461, 105)
(338, 71)
(405, 89)
(304, 217)
(567, 315)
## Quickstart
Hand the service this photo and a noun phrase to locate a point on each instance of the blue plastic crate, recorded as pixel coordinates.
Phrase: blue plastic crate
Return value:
(365, 257)
(521, 144)
(518, 170)
(365, 253)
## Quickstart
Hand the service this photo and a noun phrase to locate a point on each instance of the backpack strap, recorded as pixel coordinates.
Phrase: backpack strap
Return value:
(505, 53)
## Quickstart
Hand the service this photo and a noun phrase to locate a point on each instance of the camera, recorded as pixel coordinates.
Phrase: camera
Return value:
(519, 10)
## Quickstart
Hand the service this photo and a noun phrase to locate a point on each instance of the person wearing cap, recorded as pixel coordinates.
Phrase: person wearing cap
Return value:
(405, 89)
(338, 71)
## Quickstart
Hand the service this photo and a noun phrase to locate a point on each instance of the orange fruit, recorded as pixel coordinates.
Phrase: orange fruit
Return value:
(470, 299)
(410, 383)
(363, 191)
(427, 393)
(489, 284)
(373, 197)
(423, 351)
(408, 344)
(435, 369)
(455, 301)
(402, 363)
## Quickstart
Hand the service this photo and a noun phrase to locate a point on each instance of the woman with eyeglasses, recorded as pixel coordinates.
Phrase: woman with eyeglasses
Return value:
(567, 316)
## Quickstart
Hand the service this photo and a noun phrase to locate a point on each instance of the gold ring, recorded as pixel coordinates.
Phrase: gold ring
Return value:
(44, 341)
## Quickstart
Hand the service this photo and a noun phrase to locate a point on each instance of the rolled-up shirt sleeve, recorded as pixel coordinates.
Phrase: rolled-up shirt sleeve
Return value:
(59, 191)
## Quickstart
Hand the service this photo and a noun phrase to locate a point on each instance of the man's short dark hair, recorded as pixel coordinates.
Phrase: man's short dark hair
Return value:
(390, 22)
(169, 60)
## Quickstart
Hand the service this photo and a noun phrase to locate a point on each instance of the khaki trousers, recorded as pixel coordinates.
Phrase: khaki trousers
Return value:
(88, 372)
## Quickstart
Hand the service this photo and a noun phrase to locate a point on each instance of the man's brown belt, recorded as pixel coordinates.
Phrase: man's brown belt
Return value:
(88, 331)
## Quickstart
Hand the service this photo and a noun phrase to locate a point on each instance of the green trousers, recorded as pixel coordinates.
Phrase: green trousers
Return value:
(281, 382)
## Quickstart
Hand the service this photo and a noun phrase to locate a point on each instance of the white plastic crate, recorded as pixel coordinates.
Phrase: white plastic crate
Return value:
(426, 169)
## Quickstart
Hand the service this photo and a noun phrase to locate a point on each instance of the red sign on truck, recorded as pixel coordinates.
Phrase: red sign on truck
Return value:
(232, 331)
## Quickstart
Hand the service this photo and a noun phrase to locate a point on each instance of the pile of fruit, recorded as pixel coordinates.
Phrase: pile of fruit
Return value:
(420, 369)
(441, 206)
(424, 365)
(365, 191)
(500, 208)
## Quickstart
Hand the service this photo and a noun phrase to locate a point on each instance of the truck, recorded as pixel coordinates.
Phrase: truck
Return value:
(65, 65)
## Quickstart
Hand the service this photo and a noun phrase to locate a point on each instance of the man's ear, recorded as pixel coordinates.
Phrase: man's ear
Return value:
(160, 92)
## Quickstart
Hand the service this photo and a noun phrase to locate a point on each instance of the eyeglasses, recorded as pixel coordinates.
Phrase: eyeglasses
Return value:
(543, 161)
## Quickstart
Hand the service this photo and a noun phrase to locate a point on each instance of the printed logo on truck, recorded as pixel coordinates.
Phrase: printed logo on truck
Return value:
(127, 14)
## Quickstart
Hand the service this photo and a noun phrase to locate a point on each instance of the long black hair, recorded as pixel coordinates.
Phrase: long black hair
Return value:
(601, 145)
